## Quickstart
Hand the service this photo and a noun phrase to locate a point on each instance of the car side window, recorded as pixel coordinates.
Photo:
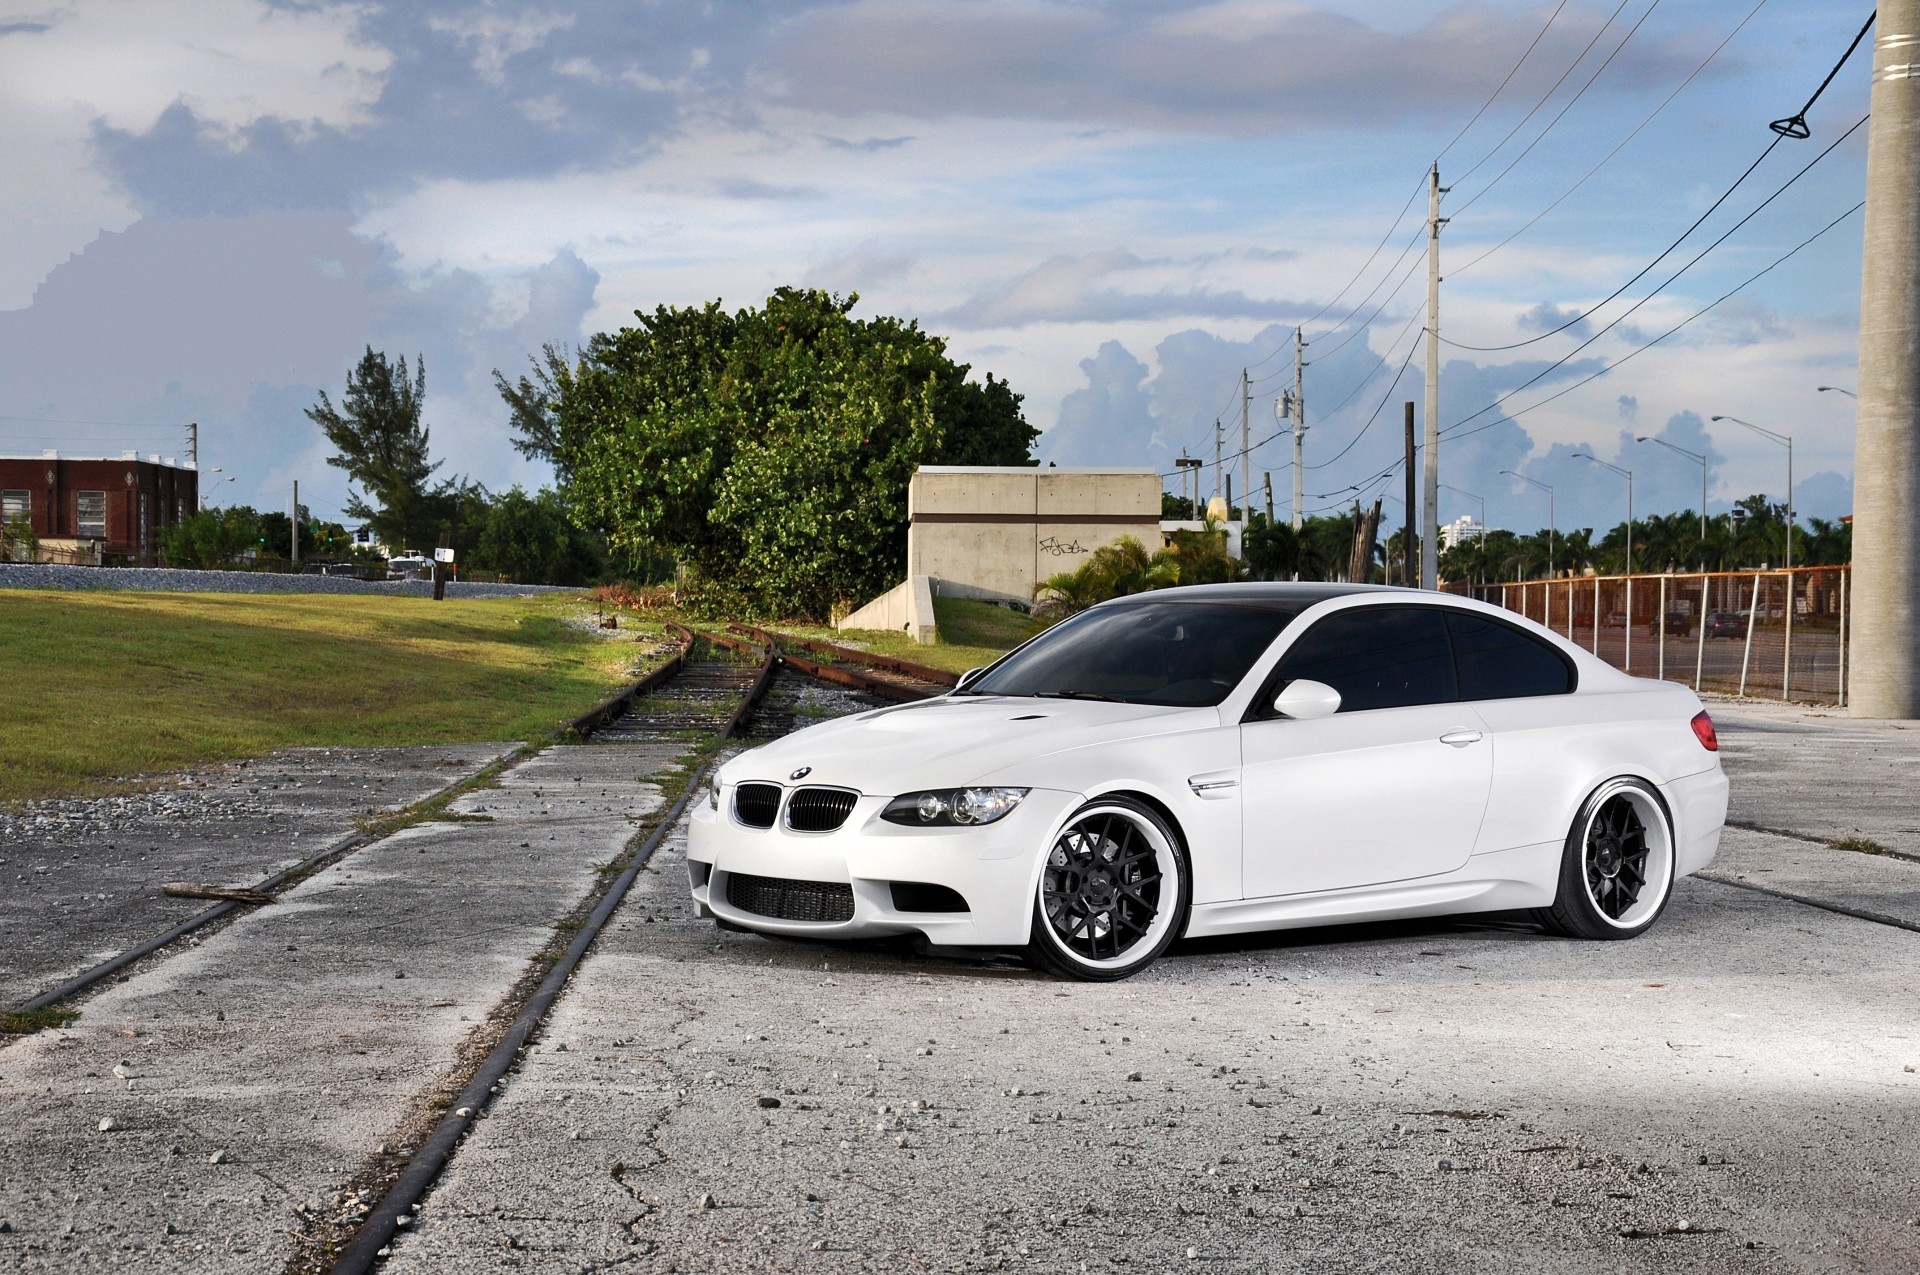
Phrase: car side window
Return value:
(1376, 657)
(1498, 661)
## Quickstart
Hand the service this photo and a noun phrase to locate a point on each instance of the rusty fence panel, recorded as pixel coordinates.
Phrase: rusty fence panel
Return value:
(1770, 634)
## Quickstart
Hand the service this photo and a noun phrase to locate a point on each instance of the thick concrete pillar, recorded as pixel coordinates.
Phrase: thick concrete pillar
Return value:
(1886, 456)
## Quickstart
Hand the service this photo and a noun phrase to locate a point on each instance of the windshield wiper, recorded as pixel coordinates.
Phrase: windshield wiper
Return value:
(1075, 695)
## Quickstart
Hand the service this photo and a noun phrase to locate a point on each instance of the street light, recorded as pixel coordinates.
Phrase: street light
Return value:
(216, 486)
(1785, 441)
(1548, 487)
(1648, 438)
(1628, 475)
(1838, 389)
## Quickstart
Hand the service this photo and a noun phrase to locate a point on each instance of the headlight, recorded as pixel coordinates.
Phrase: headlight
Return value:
(953, 807)
(713, 795)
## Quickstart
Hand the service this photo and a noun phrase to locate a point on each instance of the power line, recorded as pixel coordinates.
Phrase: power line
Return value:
(1665, 252)
(1503, 83)
(1608, 157)
(1384, 400)
(1541, 135)
(1563, 359)
(1364, 381)
(61, 420)
(1454, 430)
(1545, 97)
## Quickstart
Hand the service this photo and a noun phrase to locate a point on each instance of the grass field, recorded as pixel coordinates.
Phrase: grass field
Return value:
(96, 688)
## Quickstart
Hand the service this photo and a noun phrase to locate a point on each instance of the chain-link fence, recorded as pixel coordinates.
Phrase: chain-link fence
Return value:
(1777, 634)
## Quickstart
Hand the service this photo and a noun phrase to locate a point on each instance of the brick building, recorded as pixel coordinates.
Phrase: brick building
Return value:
(96, 510)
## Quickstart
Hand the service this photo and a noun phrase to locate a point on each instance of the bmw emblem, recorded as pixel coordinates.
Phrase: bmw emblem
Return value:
(801, 773)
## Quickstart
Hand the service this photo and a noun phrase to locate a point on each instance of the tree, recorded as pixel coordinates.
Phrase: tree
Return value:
(532, 540)
(767, 450)
(382, 445)
(211, 538)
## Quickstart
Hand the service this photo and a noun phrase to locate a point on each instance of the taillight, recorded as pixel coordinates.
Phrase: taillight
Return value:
(1703, 731)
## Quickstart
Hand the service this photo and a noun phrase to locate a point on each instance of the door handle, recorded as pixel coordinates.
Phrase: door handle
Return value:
(1461, 738)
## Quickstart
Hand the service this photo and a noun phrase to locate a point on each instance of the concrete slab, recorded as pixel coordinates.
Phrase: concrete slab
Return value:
(95, 866)
(1874, 883)
(1731, 1093)
(1822, 774)
(296, 1041)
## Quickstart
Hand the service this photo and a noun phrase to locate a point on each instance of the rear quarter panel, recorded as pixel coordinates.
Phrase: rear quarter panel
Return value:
(1550, 752)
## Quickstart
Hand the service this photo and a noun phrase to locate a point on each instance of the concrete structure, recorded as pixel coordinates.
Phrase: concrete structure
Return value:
(1008, 529)
(95, 509)
(907, 607)
(1886, 449)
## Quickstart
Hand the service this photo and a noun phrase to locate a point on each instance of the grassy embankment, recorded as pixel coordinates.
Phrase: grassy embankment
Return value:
(96, 688)
(972, 634)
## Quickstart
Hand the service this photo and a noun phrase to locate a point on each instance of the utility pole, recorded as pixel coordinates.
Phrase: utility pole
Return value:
(1266, 478)
(1885, 668)
(294, 522)
(1219, 443)
(1246, 453)
(1408, 572)
(1299, 423)
(1430, 550)
(193, 443)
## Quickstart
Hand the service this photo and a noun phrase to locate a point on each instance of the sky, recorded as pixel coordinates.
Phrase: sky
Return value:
(214, 206)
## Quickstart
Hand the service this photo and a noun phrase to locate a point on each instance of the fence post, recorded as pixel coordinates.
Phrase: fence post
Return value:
(1846, 575)
(1660, 626)
(1700, 652)
(1786, 662)
(1596, 615)
(1747, 655)
(1626, 630)
(1569, 608)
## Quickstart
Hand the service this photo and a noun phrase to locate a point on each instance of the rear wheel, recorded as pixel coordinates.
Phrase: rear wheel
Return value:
(1113, 892)
(1616, 871)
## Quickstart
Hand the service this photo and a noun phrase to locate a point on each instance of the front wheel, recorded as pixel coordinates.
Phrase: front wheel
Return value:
(1113, 892)
(1616, 871)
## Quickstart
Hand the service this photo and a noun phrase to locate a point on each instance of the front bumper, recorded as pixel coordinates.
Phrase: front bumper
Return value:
(992, 868)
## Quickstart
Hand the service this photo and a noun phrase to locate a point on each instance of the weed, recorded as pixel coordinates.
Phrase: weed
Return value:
(20, 1022)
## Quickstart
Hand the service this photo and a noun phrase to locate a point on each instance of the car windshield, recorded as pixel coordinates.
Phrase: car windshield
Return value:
(1177, 653)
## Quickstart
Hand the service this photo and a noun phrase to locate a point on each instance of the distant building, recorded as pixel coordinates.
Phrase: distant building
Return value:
(1462, 528)
(98, 511)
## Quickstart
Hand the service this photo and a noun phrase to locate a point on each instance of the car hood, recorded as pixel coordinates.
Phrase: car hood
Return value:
(953, 741)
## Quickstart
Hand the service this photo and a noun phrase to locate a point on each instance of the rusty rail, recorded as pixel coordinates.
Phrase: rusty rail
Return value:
(594, 718)
(846, 654)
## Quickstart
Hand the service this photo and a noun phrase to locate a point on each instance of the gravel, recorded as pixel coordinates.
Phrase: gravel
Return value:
(162, 579)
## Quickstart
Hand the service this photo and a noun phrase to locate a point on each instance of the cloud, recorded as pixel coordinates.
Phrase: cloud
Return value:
(1629, 406)
(1547, 317)
(747, 188)
(239, 323)
(1234, 67)
(868, 145)
(860, 270)
(1072, 289)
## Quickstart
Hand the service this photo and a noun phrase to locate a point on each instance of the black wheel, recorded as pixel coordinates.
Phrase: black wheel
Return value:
(1112, 895)
(1616, 872)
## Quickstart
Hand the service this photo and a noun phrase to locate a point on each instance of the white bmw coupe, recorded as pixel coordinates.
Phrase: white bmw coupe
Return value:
(1221, 759)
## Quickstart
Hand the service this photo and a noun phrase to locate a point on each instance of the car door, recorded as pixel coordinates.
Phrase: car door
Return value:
(1391, 787)
(1522, 689)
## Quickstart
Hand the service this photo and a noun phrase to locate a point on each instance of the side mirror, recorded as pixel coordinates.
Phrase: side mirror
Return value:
(968, 678)
(1306, 700)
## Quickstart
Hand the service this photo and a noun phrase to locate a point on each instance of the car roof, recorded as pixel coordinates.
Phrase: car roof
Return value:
(1296, 592)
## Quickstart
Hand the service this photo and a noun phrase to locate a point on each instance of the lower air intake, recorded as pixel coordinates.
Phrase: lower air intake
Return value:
(791, 900)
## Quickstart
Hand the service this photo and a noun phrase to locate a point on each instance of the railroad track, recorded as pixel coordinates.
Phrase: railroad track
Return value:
(901, 681)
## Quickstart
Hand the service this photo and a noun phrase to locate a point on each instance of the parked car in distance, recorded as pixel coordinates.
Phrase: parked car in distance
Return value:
(1678, 623)
(1728, 624)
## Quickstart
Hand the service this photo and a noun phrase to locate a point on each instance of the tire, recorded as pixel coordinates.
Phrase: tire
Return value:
(1112, 895)
(1616, 870)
